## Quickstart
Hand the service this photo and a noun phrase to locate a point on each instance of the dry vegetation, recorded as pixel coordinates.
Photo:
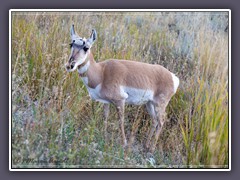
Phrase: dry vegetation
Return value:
(54, 122)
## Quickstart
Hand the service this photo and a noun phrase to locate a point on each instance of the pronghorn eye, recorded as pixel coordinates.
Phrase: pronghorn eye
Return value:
(85, 48)
(71, 44)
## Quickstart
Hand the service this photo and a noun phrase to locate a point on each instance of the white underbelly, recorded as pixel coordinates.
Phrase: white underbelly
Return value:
(131, 95)
(136, 96)
(94, 93)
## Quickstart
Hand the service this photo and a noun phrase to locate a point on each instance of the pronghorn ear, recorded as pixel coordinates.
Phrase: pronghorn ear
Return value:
(92, 37)
(72, 31)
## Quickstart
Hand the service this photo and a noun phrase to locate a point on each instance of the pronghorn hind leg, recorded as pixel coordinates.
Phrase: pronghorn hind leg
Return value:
(151, 110)
(160, 108)
(106, 115)
(120, 109)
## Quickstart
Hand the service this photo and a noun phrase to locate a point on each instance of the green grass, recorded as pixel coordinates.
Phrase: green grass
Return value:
(54, 122)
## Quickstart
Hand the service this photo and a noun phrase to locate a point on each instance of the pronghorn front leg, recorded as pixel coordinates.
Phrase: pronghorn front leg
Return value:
(105, 114)
(120, 109)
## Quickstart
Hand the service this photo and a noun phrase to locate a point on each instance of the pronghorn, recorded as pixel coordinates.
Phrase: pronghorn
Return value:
(123, 81)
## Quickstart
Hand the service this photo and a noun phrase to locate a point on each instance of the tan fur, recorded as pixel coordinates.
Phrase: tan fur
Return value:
(113, 73)
(94, 73)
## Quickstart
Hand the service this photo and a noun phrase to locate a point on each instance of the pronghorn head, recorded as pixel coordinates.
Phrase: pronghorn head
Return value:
(80, 48)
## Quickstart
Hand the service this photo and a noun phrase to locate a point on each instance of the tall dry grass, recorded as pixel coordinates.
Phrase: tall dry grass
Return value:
(54, 122)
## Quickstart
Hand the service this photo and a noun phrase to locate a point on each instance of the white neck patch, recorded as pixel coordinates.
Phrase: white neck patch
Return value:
(84, 68)
(85, 81)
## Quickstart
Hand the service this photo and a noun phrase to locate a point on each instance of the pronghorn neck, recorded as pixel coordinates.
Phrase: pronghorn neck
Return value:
(90, 71)
(83, 68)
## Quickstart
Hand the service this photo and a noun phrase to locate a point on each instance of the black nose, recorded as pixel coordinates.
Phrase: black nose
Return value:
(72, 66)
